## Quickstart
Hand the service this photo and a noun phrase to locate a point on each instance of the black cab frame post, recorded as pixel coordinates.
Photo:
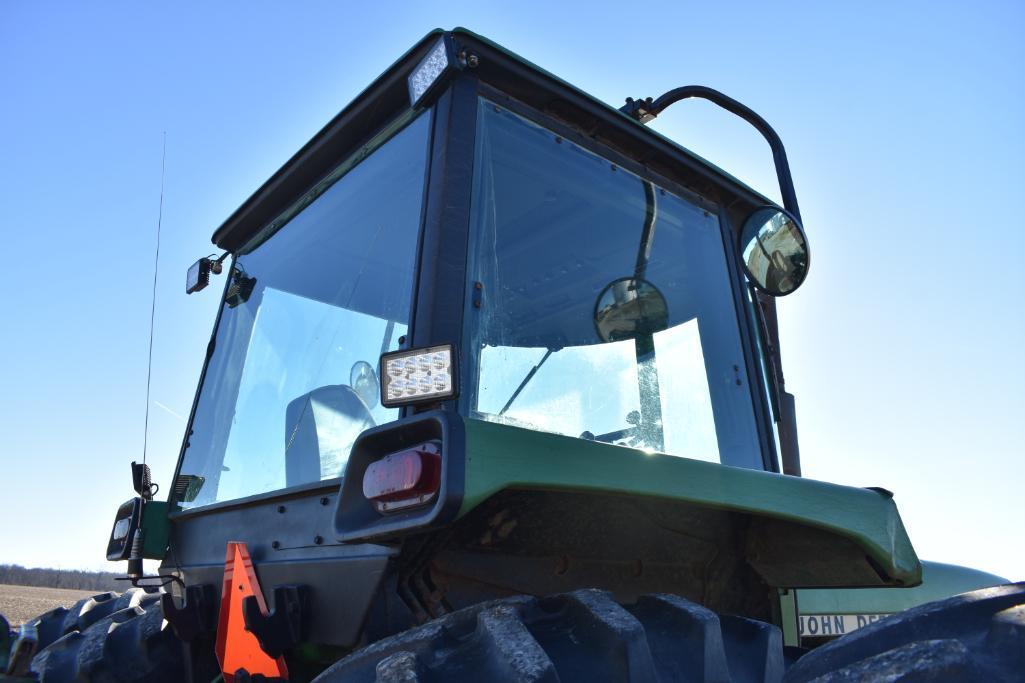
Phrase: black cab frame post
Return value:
(441, 278)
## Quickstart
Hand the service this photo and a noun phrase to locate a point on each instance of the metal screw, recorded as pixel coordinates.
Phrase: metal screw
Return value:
(318, 540)
(325, 500)
(281, 509)
(472, 61)
(275, 544)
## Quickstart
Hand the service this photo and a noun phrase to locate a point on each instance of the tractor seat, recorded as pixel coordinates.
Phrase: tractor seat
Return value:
(320, 428)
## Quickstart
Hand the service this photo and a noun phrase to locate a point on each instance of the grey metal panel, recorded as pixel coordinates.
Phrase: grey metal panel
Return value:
(343, 578)
(341, 588)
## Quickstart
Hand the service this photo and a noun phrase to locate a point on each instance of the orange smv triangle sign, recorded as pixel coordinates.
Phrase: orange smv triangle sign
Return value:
(236, 647)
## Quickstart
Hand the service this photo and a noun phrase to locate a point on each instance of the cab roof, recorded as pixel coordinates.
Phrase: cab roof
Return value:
(388, 97)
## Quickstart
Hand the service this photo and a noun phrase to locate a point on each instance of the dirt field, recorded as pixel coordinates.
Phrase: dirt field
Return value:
(18, 603)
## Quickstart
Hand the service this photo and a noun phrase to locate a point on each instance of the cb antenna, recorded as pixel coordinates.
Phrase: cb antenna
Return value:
(153, 304)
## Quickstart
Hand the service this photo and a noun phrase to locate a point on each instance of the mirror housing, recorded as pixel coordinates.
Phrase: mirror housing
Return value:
(774, 251)
(628, 308)
(363, 380)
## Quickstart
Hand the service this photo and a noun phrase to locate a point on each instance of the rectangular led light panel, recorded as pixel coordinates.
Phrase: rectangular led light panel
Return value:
(417, 376)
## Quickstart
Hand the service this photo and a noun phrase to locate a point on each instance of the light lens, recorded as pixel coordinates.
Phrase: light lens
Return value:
(427, 71)
(404, 479)
(418, 375)
(127, 520)
(121, 528)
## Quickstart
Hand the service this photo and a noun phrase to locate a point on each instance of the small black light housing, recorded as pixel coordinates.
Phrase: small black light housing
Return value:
(141, 480)
(127, 521)
(198, 276)
(240, 288)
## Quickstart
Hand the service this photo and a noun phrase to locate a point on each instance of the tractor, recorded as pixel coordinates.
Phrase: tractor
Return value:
(495, 393)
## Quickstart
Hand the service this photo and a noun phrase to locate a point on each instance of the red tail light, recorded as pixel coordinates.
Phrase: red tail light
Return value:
(404, 479)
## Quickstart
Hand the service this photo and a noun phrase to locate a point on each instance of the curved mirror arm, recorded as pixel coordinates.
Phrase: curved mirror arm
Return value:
(647, 109)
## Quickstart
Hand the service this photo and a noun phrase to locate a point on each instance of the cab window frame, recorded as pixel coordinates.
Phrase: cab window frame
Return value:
(384, 134)
(738, 283)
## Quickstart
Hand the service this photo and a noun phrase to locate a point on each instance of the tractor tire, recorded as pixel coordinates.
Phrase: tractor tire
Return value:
(50, 626)
(123, 641)
(7, 637)
(976, 636)
(580, 636)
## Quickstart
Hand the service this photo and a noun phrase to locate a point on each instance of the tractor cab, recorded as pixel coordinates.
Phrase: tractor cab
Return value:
(486, 336)
(576, 291)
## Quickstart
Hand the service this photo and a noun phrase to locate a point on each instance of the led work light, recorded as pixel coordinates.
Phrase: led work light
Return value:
(428, 71)
(198, 276)
(417, 376)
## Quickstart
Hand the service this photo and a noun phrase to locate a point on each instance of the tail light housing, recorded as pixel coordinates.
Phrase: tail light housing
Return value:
(405, 479)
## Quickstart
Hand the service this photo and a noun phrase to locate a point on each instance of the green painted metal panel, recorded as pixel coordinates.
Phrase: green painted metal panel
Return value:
(156, 529)
(788, 615)
(503, 457)
(938, 581)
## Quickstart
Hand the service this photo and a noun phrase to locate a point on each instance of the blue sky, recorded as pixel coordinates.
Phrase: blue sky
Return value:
(905, 126)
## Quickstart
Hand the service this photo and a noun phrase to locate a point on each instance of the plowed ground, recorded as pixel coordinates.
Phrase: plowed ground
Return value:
(20, 603)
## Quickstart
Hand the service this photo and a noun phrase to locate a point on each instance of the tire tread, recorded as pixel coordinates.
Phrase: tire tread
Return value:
(580, 636)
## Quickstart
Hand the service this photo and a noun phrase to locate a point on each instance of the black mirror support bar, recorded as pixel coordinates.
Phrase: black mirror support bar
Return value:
(645, 110)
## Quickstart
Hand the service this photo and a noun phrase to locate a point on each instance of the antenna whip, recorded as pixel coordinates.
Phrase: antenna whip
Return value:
(153, 305)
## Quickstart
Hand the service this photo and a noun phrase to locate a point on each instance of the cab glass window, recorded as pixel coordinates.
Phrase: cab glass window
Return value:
(292, 380)
(605, 309)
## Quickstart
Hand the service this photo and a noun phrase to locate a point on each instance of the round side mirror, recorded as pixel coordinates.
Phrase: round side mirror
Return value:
(774, 250)
(363, 380)
(629, 308)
